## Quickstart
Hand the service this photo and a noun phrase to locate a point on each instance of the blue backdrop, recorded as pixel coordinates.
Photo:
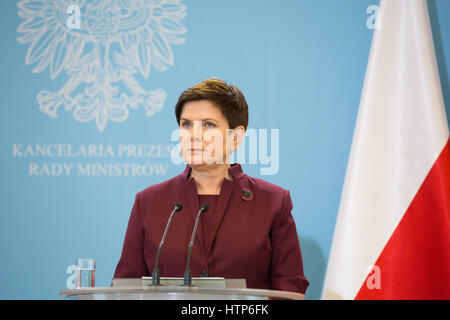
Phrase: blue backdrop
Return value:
(74, 152)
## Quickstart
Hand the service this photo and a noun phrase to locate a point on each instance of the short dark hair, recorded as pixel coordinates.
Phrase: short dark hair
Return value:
(228, 98)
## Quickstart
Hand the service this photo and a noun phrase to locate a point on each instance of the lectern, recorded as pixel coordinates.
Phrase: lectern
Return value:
(136, 290)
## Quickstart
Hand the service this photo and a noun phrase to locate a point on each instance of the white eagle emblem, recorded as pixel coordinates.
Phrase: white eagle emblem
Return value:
(116, 40)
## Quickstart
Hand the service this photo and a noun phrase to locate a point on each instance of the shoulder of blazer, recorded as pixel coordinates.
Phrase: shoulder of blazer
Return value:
(161, 187)
(266, 187)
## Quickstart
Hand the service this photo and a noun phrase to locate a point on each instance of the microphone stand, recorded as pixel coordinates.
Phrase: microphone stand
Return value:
(156, 274)
(187, 272)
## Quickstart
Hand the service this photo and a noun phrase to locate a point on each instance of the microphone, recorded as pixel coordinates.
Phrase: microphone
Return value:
(156, 274)
(187, 272)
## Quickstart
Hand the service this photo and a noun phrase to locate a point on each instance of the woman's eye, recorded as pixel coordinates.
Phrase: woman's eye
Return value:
(185, 124)
(209, 124)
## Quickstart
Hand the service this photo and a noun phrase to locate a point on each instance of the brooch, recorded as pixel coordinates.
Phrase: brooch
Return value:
(247, 195)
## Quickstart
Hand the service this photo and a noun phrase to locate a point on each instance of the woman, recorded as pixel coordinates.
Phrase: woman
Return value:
(248, 232)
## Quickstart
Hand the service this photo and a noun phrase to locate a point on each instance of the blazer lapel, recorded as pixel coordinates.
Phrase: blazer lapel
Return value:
(191, 199)
(222, 203)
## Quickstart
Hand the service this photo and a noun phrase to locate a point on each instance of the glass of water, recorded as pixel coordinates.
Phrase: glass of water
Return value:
(85, 273)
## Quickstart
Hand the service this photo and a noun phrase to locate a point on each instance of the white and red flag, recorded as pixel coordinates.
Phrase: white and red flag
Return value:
(392, 234)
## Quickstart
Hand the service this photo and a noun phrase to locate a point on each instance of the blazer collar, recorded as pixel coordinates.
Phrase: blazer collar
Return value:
(235, 171)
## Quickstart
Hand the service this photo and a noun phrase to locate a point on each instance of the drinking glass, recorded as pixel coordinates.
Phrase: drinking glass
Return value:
(85, 273)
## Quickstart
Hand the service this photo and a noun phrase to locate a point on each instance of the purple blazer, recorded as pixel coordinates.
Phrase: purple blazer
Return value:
(252, 236)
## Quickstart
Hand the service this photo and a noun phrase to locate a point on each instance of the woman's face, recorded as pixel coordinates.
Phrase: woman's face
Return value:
(205, 135)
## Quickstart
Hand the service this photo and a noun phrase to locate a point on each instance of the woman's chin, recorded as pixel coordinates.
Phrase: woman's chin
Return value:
(201, 162)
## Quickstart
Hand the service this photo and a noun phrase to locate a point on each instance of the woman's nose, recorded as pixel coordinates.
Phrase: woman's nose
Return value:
(197, 131)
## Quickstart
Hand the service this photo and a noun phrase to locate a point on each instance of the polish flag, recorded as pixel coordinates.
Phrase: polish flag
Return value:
(392, 234)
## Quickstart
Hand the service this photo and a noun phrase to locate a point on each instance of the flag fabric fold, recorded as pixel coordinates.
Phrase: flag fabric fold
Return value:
(392, 234)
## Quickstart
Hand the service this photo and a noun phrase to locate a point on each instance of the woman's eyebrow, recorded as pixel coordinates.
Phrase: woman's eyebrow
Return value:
(205, 119)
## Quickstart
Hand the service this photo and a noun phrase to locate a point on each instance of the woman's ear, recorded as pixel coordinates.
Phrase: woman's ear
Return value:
(239, 133)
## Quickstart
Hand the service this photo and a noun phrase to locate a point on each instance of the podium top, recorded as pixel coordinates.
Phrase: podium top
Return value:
(178, 293)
